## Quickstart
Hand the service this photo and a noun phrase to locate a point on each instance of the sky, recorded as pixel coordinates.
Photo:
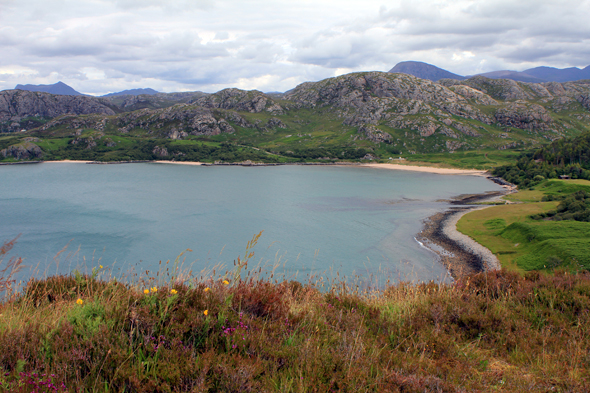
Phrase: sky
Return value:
(103, 46)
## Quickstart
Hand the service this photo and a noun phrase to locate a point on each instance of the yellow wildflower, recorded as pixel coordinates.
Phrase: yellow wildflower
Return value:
(146, 291)
(207, 289)
(80, 301)
(100, 266)
(173, 291)
(154, 289)
(225, 282)
(206, 312)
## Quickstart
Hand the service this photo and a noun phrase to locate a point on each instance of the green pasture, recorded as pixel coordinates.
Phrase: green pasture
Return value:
(523, 244)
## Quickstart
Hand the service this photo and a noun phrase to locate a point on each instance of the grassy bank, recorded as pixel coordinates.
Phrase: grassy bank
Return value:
(473, 159)
(490, 332)
(522, 243)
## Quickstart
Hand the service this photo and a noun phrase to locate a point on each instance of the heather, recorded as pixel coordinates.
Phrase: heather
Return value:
(245, 331)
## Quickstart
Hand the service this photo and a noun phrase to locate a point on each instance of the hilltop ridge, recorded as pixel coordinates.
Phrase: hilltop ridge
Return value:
(380, 113)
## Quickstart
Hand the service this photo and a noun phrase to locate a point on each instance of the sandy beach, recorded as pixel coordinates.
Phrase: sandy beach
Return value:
(400, 167)
(67, 161)
(180, 162)
(429, 169)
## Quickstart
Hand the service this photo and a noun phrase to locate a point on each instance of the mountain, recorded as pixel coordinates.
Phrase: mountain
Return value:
(58, 88)
(132, 92)
(424, 71)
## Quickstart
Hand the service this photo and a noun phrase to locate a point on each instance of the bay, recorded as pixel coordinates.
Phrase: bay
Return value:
(326, 221)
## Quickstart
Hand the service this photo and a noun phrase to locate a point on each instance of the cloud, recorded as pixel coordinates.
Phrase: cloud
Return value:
(100, 45)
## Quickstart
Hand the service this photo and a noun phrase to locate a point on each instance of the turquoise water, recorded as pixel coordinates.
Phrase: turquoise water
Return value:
(316, 220)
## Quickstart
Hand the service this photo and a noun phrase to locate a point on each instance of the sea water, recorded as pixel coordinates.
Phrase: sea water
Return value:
(329, 221)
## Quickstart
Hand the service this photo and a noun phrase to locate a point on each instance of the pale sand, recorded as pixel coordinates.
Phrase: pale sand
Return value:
(69, 161)
(440, 171)
(180, 162)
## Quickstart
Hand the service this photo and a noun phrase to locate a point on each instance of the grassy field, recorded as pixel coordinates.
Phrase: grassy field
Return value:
(485, 226)
(523, 244)
(475, 159)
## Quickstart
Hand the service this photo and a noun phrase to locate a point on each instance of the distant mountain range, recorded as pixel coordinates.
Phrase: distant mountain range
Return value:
(133, 92)
(62, 89)
(534, 75)
(415, 68)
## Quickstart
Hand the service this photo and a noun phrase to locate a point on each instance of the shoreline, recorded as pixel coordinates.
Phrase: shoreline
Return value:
(458, 253)
(413, 168)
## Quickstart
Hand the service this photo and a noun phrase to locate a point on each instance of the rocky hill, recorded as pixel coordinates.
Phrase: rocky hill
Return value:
(383, 113)
(21, 109)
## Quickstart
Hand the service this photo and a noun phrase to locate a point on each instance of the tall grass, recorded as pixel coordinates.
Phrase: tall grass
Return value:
(236, 331)
(8, 269)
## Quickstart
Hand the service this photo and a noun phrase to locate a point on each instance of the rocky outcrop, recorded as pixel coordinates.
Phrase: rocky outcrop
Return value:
(374, 134)
(88, 142)
(523, 115)
(160, 151)
(464, 110)
(109, 142)
(275, 123)
(22, 151)
(18, 104)
(427, 129)
(370, 157)
(353, 90)
(176, 121)
(500, 89)
(474, 95)
(584, 99)
(453, 145)
(234, 117)
(77, 123)
(465, 129)
(252, 101)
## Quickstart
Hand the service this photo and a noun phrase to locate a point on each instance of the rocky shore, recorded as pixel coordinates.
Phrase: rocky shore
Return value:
(460, 254)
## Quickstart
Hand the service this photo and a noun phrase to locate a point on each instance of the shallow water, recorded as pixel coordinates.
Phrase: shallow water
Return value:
(316, 220)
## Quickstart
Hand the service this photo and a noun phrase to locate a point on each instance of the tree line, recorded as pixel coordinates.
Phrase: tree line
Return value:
(567, 156)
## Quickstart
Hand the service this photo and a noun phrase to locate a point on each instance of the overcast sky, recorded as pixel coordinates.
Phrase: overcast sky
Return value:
(102, 46)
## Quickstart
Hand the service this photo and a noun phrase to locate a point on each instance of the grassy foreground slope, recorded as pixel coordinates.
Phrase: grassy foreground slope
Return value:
(490, 332)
